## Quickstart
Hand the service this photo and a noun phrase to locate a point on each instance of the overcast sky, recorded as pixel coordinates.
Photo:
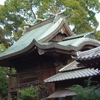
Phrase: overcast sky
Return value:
(97, 15)
(2, 2)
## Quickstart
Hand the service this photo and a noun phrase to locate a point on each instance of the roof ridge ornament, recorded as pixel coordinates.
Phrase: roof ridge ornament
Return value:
(55, 15)
(56, 12)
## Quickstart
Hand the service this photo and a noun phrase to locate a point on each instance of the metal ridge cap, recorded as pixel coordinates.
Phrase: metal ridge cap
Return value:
(39, 24)
(78, 36)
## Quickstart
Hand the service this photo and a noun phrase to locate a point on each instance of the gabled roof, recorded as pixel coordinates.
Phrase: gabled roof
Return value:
(38, 35)
(71, 66)
(73, 75)
(89, 58)
(71, 71)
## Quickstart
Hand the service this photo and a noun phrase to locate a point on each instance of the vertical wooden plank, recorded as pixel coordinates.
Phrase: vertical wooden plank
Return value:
(9, 96)
(18, 96)
(9, 85)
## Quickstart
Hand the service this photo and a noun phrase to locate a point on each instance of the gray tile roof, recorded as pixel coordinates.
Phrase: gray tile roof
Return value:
(88, 55)
(73, 75)
(72, 66)
(72, 71)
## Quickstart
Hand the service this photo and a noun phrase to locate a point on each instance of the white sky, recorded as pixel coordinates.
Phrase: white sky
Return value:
(97, 15)
(98, 18)
(2, 2)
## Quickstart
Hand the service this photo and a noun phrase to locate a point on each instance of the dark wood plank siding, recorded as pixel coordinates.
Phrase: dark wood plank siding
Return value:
(46, 69)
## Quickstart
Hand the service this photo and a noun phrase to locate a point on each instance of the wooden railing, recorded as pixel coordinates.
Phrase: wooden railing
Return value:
(16, 87)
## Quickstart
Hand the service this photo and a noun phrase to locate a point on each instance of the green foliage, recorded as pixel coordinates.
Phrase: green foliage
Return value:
(29, 93)
(80, 13)
(85, 93)
(15, 13)
(3, 82)
(43, 99)
(89, 81)
(2, 48)
(97, 35)
(3, 77)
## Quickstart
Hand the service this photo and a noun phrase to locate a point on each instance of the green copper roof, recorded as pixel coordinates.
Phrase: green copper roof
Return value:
(74, 44)
(89, 35)
(38, 35)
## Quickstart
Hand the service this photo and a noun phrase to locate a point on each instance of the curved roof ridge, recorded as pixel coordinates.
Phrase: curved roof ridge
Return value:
(87, 52)
(79, 36)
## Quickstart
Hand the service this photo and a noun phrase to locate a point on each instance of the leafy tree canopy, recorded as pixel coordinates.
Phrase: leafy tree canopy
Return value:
(86, 93)
(97, 35)
(16, 13)
(3, 82)
(80, 13)
(30, 93)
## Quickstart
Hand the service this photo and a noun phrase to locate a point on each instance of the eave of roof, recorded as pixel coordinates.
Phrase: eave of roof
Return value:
(75, 44)
(88, 55)
(71, 66)
(73, 75)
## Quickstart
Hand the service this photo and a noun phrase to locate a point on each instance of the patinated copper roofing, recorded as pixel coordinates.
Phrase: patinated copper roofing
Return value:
(89, 35)
(38, 34)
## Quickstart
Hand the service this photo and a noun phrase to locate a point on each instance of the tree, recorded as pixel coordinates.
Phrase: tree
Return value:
(85, 93)
(2, 48)
(3, 77)
(80, 13)
(17, 13)
(30, 93)
(97, 35)
(3, 82)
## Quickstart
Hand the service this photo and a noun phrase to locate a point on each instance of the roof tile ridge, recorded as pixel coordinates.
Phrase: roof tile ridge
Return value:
(87, 52)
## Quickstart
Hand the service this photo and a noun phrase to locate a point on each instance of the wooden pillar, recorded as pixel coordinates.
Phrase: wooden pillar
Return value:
(9, 96)
(18, 96)
(9, 86)
(18, 86)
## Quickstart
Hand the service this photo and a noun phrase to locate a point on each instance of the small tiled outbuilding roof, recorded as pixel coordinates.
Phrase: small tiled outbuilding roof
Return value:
(72, 66)
(71, 71)
(62, 94)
